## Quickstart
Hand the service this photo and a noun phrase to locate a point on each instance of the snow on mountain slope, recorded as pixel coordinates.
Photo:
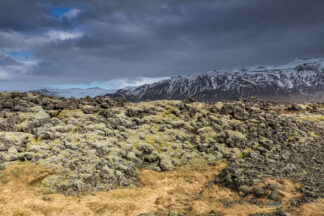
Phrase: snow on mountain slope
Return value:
(302, 79)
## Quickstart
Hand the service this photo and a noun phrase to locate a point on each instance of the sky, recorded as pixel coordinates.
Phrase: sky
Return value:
(116, 43)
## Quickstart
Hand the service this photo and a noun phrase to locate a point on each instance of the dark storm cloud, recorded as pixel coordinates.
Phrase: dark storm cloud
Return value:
(103, 40)
(6, 60)
(27, 16)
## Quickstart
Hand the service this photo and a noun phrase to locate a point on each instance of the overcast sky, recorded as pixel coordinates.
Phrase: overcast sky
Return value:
(114, 43)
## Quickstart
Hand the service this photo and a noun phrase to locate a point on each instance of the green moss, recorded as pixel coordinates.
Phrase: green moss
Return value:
(22, 125)
(313, 118)
(69, 113)
(166, 115)
(291, 138)
(245, 153)
(313, 134)
(193, 163)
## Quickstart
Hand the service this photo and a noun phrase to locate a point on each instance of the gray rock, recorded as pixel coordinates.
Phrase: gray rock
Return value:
(274, 195)
(278, 203)
(176, 124)
(89, 109)
(145, 148)
(259, 192)
(165, 163)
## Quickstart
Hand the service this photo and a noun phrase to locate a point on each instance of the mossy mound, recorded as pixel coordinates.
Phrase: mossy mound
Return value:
(103, 143)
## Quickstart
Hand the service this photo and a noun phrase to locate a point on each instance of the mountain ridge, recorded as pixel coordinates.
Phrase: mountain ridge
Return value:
(301, 80)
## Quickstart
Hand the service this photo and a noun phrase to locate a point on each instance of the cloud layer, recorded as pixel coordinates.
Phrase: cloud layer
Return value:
(73, 42)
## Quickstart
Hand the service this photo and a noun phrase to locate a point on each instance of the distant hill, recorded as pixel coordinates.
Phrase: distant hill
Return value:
(75, 92)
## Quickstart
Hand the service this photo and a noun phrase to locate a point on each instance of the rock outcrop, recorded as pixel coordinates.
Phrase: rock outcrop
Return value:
(102, 143)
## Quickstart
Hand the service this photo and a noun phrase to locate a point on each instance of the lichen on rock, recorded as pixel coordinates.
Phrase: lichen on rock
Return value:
(103, 143)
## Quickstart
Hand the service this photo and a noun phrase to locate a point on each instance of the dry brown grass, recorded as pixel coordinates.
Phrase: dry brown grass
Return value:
(181, 190)
(311, 209)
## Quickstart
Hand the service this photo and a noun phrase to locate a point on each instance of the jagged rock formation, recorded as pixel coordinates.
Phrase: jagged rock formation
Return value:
(301, 80)
(102, 143)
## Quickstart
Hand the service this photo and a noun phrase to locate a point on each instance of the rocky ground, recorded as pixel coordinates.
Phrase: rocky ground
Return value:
(103, 144)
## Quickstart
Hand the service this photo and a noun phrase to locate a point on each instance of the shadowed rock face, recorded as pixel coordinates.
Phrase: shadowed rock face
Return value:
(102, 143)
(301, 80)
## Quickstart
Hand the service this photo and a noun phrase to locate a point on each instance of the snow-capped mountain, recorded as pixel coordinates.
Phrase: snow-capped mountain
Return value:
(75, 92)
(302, 79)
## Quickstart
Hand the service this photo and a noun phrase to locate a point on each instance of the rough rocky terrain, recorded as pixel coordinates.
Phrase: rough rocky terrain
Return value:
(265, 154)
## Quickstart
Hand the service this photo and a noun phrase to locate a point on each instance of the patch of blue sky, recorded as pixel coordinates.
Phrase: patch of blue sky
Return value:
(57, 12)
(25, 55)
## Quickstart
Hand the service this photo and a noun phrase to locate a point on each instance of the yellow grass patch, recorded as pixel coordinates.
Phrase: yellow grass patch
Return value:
(315, 208)
(182, 190)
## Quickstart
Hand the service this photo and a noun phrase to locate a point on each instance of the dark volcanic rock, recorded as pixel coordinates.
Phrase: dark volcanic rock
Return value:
(102, 143)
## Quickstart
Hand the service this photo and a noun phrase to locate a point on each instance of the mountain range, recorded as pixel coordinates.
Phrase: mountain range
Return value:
(300, 80)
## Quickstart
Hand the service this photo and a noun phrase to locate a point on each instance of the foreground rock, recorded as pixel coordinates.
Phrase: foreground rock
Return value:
(103, 143)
